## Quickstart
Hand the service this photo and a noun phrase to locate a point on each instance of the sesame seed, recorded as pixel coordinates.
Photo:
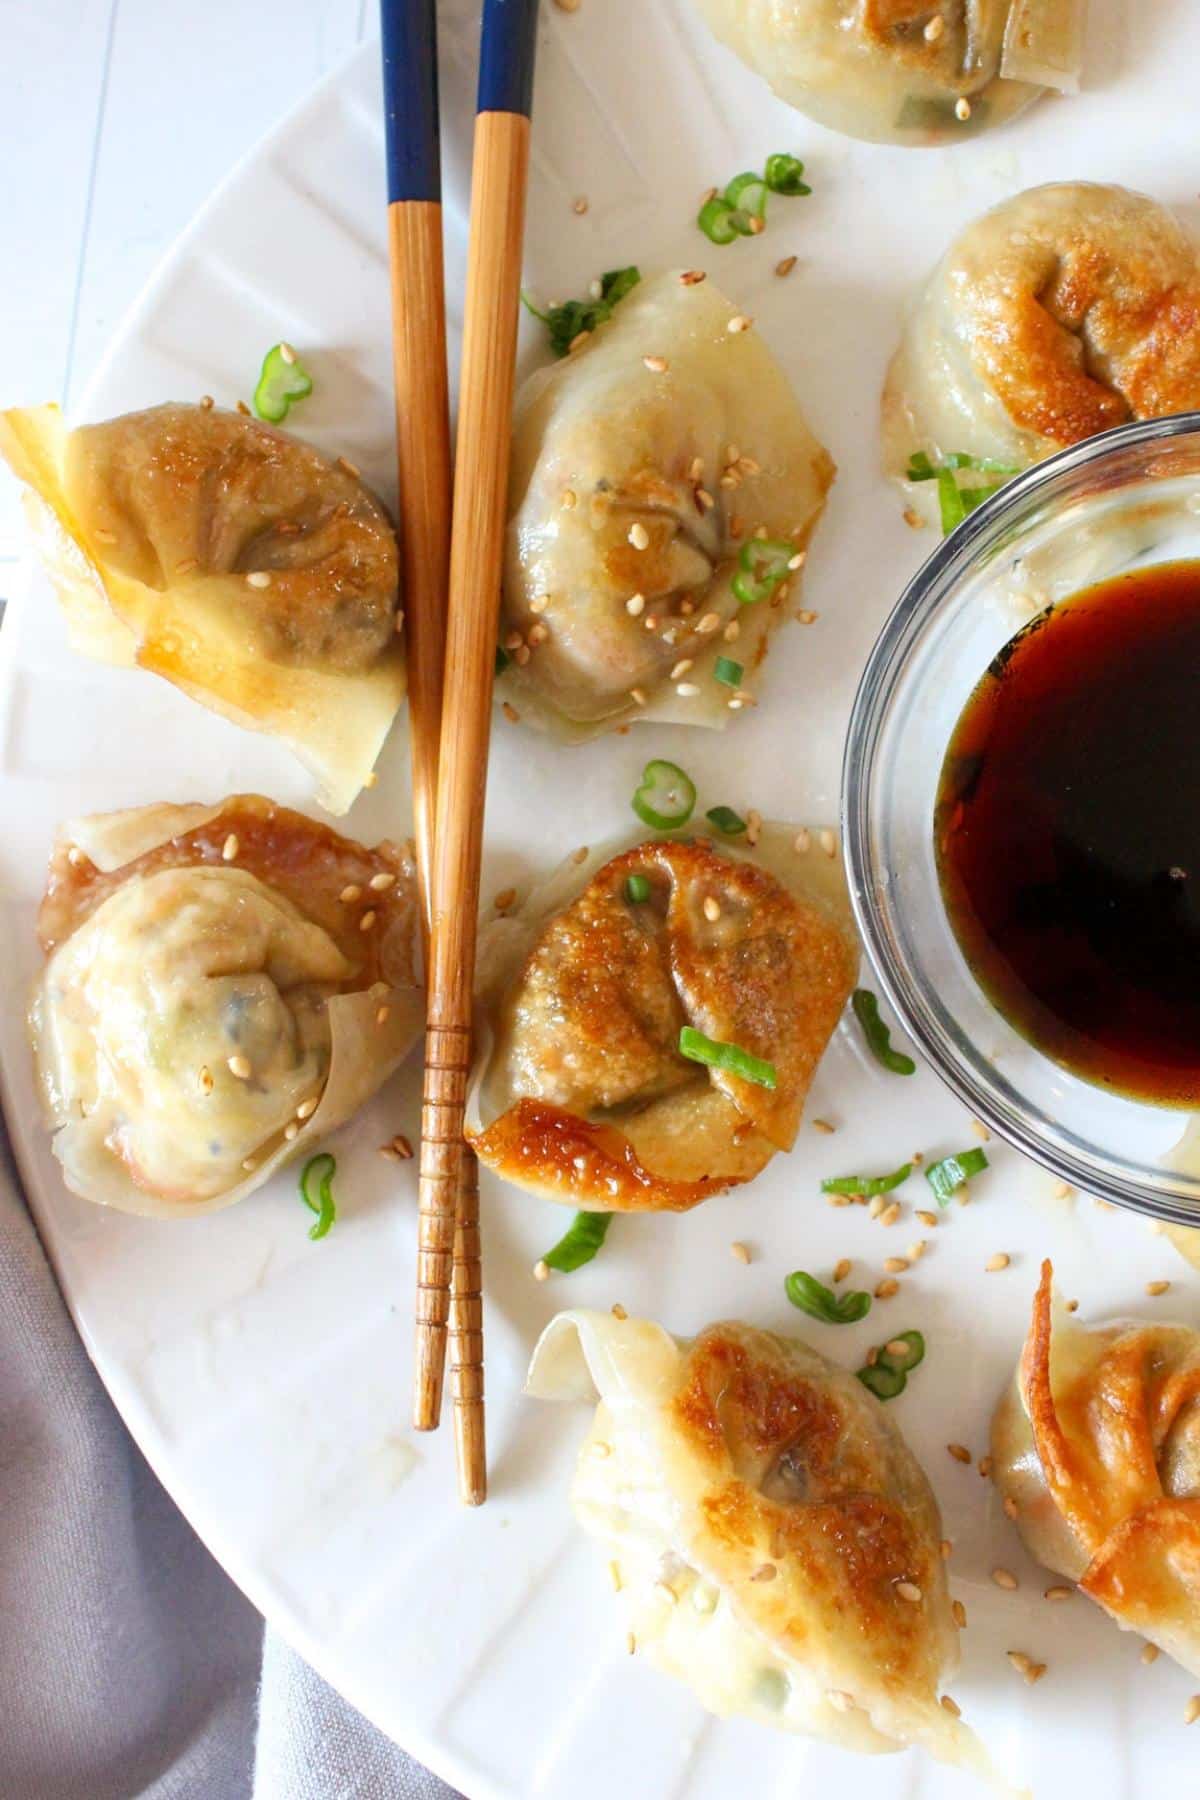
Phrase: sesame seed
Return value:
(908, 1590)
(916, 1251)
(618, 1311)
(1063, 1190)
(1071, 1305)
(730, 479)
(1154, 1288)
(206, 1080)
(637, 696)
(739, 1252)
(1010, 1507)
(735, 705)
(764, 1572)
(1150, 1654)
(994, 1264)
(838, 1199)
(239, 1066)
(307, 1108)
(580, 855)
(639, 537)
(927, 1218)
(827, 841)
(959, 1452)
(712, 909)
(737, 525)
(707, 195)
(1022, 1663)
(739, 323)
(187, 565)
(753, 825)
(840, 1271)
(1059, 1593)
(886, 1289)
(1004, 1578)
(657, 365)
(681, 667)
(896, 1265)
(244, 410)
(934, 29)
(802, 842)
(249, 1162)
(539, 603)
(913, 519)
(840, 1700)
(568, 499)
(367, 920)
(206, 402)
(350, 894)
(258, 578)
(757, 223)
(291, 1130)
(614, 1575)
(690, 277)
(384, 879)
(399, 623)
(876, 1205)
(541, 1270)
(890, 1213)
(962, 108)
(951, 1706)
(960, 1613)
(686, 690)
(696, 469)
(504, 898)
(985, 1466)
(371, 778)
(383, 1014)
(981, 1131)
(513, 641)
(349, 468)
(786, 266)
(229, 848)
(580, 204)
(704, 500)
(807, 618)
(630, 1640)
(510, 713)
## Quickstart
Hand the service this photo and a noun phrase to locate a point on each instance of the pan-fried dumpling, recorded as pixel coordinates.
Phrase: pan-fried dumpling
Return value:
(776, 1543)
(581, 1093)
(1061, 312)
(224, 985)
(1097, 1441)
(232, 559)
(905, 71)
(643, 464)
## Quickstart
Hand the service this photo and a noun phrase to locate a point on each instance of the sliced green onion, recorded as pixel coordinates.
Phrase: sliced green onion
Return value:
(950, 501)
(954, 500)
(735, 1061)
(902, 1361)
(728, 822)
(665, 797)
(283, 378)
(728, 672)
(637, 889)
(867, 1185)
(762, 564)
(718, 221)
(747, 194)
(879, 1038)
(319, 1171)
(785, 174)
(616, 283)
(502, 659)
(580, 1243)
(919, 467)
(566, 322)
(952, 1172)
(884, 1383)
(820, 1302)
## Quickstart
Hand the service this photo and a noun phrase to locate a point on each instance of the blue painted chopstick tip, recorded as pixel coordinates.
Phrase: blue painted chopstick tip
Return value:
(410, 99)
(506, 54)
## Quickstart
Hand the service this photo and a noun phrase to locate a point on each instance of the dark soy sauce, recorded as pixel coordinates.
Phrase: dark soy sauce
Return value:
(1067, 832)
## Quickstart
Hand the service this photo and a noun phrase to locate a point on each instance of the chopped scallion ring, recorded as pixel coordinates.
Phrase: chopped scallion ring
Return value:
(820, 1302)
(785, 174)
(867, 1185)
(665, 797)
(902, 1352)
(879, 1038)
(728, 672)
(283, 378)
(319, 1171)
(729, 823)
(955, 501)
(952, 1172)
(747, 194)
(762, 564)
(884, 1383)
(637, 889)
(722, 223)
(580, 1244)
(735, 1061)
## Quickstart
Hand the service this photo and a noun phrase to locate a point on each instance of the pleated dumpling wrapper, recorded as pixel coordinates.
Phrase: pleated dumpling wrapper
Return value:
(777, 1543)
(232, 559)
(581, 1092)
(1097, 1441)
(224, 985)
(1061, 312)
(643, 466)
(906, 71)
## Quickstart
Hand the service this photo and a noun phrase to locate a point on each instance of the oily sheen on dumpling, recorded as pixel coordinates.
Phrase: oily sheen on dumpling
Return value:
(1097, 1442)
(900, 71)
(1060, 313)
(776, 1544)
(632, 490)
(581, 1093)
(232, 559)
(223, 985)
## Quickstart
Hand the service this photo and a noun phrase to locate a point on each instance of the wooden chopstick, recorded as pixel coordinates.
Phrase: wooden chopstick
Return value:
(409, 29)
(501, 164)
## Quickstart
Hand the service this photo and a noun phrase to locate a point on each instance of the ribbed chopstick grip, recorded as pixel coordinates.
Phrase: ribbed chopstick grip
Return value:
(466, 1338)
(447, 1064)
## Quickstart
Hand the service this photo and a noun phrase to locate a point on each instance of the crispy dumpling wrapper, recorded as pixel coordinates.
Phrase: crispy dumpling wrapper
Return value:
(579, 1091)
(777, 1501)
(1063, 311)
(603, 448)
(1098, 1442)
(212, 1004)
(869, 68)
(236, 561)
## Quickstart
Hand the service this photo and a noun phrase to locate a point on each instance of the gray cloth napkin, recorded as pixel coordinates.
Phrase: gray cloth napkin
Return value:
(131, 1668)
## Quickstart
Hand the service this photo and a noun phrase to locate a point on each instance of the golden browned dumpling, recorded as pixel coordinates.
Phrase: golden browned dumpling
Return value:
(774, 1542)
(1063, 311)
(582, 1093)
(906, 71)
(223, 985)
(234, 560)
(1098, 1444)
(646, 467)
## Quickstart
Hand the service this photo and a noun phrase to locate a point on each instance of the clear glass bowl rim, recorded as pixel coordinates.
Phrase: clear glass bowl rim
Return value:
(934, 583)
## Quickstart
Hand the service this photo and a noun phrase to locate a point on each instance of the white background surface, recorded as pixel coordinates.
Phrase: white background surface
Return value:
(268, 1384)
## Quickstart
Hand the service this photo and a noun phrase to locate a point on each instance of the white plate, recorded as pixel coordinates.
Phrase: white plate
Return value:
(267, 1378)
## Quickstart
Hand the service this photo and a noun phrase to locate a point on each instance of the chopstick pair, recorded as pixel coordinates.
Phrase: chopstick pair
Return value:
(452, 557)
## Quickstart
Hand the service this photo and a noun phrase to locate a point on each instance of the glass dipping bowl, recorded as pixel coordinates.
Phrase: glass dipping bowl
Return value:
(1128, 498)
